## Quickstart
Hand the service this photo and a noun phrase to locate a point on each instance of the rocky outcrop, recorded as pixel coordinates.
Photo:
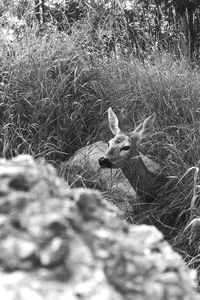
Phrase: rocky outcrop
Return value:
(59, 243)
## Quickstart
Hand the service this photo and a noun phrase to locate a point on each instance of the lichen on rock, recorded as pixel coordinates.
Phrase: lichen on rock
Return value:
(61, 243)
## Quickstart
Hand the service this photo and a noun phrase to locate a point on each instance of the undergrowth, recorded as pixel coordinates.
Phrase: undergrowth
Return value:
(54, 93)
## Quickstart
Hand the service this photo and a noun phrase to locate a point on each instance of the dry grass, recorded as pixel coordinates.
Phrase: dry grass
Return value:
(54, 94)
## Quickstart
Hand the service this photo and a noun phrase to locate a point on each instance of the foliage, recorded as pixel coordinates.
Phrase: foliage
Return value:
(138, 27)
(56, 85)
(44, 91)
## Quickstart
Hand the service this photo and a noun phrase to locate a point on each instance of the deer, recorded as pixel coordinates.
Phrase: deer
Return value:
(143, 174)
(85, 161)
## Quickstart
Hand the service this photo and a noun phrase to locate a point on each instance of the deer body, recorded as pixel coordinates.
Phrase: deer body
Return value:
(86, 160)
(144, 182)
(123, 153)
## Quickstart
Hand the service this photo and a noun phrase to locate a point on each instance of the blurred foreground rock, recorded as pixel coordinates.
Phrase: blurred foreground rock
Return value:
(58, 243)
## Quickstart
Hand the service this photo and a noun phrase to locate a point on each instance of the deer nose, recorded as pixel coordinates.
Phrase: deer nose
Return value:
(104, 163)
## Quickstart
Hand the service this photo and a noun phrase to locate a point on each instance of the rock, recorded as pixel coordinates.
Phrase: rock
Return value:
(61, 243)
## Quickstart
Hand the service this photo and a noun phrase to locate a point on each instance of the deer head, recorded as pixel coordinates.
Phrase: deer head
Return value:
(124, 146)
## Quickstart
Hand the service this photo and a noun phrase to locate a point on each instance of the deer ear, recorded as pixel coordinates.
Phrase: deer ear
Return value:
(113, 122)
(144, 128)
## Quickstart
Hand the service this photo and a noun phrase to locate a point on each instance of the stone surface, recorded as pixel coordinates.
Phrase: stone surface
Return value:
(61, 243)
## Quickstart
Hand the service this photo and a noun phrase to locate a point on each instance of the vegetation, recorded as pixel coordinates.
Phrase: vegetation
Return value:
(56, 83)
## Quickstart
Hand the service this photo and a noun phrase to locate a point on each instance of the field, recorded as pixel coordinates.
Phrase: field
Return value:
(55, 90)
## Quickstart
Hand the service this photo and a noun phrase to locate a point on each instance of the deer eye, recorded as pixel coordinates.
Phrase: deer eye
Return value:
(125, 148)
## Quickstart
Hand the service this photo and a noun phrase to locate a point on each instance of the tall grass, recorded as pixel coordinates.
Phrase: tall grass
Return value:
(50, 99)
(56, 88)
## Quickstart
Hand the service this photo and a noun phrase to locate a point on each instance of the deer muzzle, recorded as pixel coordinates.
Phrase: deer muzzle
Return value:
(105, 163)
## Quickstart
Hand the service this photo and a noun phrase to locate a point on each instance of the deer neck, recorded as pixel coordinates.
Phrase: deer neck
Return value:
(143, 181)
